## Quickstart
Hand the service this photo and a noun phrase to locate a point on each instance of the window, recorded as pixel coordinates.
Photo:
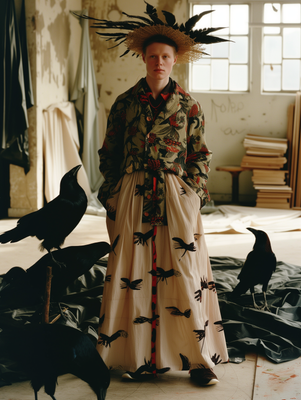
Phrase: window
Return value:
(281, 47)
(228, 67)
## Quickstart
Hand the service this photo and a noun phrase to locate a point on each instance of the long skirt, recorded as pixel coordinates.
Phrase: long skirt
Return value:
(160, 308)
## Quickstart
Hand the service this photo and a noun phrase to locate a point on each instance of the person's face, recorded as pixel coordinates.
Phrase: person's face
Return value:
(159, 59)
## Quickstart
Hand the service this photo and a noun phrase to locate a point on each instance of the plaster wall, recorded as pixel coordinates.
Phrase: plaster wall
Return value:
(228, 117)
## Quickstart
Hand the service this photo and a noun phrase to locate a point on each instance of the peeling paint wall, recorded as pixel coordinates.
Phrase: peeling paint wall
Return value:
(53, 37)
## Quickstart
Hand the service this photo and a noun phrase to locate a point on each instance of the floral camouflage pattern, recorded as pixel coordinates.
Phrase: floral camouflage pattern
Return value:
(172, 143)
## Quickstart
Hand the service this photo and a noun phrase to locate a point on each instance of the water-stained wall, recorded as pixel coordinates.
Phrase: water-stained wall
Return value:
(53, 37)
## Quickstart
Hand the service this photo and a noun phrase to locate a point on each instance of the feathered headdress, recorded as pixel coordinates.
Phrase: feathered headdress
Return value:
(189, 42)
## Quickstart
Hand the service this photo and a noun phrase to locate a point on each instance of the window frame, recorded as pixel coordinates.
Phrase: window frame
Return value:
(256, 34)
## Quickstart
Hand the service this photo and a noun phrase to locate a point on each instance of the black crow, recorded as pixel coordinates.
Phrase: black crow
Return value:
(258, 268)
(57, 219)
(21, 287)
(44, 351)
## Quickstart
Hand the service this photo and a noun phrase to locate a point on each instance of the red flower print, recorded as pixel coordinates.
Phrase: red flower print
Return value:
(111, 133)
(143, 99)
(154, 164)
(173, 120)
(151, 138)
(123, 116)
(191, 157)
(204, 149)
(193, 111)
(155, 220)
(133, 152)
(172, 149)
(170, 142)
(155, 197)
(133, 130)
(180, 90)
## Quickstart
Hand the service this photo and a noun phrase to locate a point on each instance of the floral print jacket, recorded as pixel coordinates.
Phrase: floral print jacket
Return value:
(172, 143)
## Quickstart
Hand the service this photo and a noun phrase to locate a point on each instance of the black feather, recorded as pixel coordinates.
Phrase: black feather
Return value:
(189, 25)
(21, 287)
(258, 267)
(57, 219)
(169, 17)
(44, 352)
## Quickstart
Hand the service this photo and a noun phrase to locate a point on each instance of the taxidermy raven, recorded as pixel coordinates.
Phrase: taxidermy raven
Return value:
(258, 268)
(21, 287)
(45, 351)
(57, 219)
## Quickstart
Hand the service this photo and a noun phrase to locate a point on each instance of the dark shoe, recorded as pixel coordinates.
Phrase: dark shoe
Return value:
(203, 377)
(133, 376)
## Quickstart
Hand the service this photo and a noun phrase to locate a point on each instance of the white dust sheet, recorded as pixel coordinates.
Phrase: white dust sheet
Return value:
(235, 219)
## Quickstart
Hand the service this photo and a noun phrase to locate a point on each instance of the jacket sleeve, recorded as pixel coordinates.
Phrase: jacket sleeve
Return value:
(111, 153)
(198, 155)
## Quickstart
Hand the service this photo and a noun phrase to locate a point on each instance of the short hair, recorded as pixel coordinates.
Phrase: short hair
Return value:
(159, 39)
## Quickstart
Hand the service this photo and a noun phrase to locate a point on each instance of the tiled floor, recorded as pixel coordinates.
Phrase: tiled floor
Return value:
(255, 378)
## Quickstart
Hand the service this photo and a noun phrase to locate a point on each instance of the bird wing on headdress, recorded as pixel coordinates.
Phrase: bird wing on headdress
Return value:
(202, 36)
(170, 19)
(141, 28)
(190, 23)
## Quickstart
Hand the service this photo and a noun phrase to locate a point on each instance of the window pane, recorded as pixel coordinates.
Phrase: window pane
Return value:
(219, 77)
(208, 50)
(238, 78)
(205, 21)
(291, 13)
(291, 75)
(271, 15)
(239, 19)
(272, 78)
(239, 49)
(291, 42)
(272, 49)
(220, 50)
(220, 18)
(201, 77)
(203, 60)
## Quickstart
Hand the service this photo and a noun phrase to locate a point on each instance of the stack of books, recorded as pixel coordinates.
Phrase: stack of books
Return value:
(273, 196)
(266, 157)
(264, 152)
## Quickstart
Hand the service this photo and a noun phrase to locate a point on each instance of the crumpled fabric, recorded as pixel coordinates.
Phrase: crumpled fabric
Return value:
(17, 94)
(275, 335)
(60, 148)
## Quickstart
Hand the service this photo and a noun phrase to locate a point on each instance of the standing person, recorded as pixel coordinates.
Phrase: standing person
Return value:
(160, 310)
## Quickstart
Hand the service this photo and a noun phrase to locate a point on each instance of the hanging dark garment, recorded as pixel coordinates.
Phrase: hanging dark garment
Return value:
(16, 95)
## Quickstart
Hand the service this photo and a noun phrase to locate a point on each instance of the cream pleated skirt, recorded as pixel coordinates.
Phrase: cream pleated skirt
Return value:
(160, 308)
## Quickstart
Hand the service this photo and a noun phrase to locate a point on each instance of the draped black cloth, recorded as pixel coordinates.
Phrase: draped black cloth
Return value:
(16, 94)
(275, 334)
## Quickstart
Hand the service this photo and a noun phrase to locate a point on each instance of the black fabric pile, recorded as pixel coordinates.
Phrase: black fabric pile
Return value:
(275, 334)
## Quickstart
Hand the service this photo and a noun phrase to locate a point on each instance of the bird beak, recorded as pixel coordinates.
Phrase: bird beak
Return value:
(254, 231)
(102, 394)
(75, 170)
